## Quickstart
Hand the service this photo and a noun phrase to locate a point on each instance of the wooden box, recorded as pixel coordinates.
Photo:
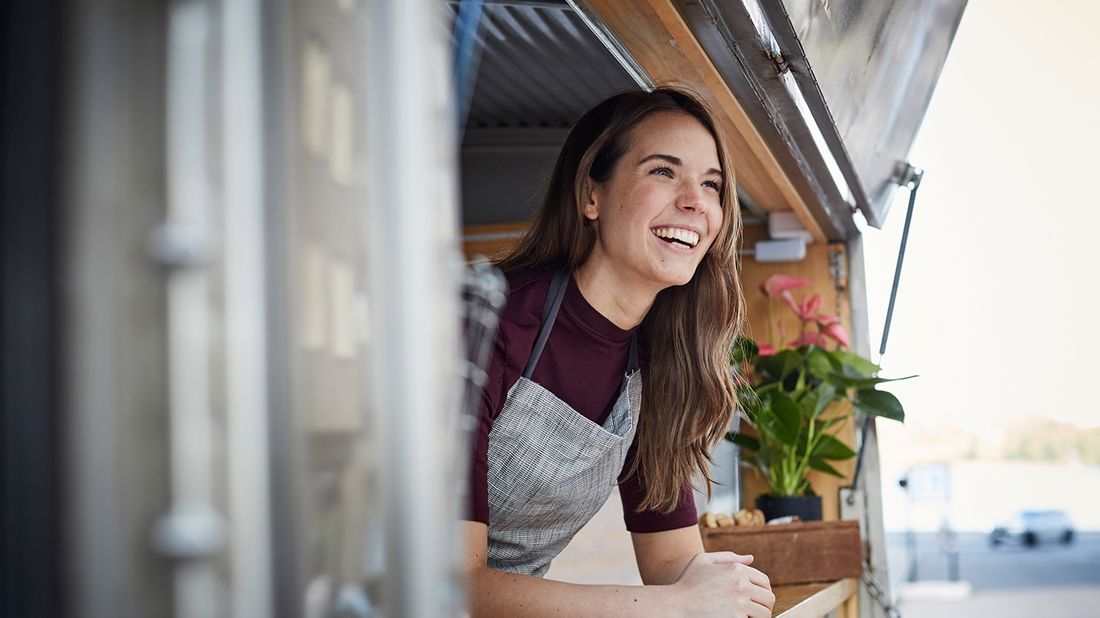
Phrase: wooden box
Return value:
(795, 553)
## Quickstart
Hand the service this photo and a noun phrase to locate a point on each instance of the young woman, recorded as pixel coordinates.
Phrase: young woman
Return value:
(611, 366)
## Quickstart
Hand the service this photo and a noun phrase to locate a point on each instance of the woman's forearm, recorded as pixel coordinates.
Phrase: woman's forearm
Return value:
(495, 593)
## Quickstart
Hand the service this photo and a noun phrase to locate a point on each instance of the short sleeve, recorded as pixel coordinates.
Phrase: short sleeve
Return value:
(632, 492)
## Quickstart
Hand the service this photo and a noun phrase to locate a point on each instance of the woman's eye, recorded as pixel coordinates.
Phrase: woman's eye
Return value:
(664, 171)
(713, 185)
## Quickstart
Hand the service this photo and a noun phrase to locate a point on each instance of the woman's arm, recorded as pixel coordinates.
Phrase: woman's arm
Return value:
(715, 584)
(662, 556)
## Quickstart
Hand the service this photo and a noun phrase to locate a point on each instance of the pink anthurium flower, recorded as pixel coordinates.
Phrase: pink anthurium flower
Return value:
(788, 299)
(805, 309)
(837, 333)
(765, 349)
(826, 319)
(778, 284)
(808, 338)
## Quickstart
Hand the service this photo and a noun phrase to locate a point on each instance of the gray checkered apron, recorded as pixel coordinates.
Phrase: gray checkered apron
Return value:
(551, 468)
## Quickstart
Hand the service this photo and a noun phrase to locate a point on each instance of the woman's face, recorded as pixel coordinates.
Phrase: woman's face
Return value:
(660, 210)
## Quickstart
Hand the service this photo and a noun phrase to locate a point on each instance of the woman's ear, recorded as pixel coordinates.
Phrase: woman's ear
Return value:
(591, 207)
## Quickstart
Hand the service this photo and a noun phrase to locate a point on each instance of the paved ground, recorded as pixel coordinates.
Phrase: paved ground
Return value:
(1050, 580)
(1052, 602)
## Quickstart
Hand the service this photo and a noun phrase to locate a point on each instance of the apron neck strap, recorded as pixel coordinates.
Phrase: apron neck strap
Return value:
(558, 286)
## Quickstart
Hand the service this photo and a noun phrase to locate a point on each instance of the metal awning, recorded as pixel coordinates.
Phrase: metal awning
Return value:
(837, 89)
(538, 66)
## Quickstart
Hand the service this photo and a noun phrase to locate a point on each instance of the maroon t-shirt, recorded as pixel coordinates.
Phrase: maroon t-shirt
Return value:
(583, 364)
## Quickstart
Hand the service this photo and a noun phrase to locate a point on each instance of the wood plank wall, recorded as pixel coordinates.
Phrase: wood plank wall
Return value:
(491, 241)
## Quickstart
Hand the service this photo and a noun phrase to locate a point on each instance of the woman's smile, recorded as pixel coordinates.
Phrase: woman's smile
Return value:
(679, 239)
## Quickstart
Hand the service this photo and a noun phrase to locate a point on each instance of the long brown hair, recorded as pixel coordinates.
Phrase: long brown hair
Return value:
(688, 393)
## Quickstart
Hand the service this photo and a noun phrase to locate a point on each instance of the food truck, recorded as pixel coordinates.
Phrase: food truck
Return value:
(235, 241)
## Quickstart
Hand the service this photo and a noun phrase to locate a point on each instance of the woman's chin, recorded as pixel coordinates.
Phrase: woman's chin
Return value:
(675, 278)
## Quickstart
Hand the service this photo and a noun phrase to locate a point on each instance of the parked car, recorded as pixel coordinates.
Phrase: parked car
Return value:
(1033, 527)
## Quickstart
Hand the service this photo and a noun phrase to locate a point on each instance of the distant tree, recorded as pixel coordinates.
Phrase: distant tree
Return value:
(1041, 439)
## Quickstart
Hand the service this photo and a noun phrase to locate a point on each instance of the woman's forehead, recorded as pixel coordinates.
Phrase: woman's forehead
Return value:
(676, 134)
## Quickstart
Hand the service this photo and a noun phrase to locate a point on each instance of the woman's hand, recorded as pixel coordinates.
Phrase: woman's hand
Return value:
(723, 584)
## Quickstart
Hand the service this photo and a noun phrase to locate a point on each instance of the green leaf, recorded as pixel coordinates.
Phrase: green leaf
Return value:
(749, 402)
(826, 394)
(822, 466)
(802, 443)
(743, 440)
(823, 424)
(816, 399)
(789, 418)
(777, 367)
(807, 403)
(862, 366)
(861, 383)
(873, 402)
(831, 448)
(743, 350)
(817, 363)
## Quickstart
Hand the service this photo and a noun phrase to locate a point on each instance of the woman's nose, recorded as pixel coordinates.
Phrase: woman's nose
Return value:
(691, 199)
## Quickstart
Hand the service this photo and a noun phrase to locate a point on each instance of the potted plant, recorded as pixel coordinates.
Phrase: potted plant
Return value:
(785, 393)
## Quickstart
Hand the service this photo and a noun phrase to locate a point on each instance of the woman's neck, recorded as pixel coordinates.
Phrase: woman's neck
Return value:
(624, 304)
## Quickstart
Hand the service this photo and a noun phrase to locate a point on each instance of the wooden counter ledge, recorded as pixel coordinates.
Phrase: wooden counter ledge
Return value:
(816, 600)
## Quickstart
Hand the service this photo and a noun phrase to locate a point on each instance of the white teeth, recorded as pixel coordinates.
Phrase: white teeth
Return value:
(686, 236)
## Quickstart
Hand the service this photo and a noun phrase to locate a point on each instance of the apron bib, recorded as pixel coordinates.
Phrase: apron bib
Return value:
(551, 468)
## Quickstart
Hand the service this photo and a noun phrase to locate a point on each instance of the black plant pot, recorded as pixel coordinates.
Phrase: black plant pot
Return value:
(808, 508)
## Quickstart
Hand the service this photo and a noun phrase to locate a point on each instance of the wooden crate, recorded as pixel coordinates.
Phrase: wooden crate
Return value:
(795, 553)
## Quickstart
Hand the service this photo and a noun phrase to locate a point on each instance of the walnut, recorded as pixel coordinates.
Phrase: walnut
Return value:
(707, 520)
(724, 520)
(749, 517)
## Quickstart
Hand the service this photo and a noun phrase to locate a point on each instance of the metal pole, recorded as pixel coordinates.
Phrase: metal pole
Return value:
(413, 292)
(909, 177)
(245, 314)
(192, 532)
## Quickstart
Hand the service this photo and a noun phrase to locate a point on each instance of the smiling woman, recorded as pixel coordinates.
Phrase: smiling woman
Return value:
(658, 213)
(627, 271)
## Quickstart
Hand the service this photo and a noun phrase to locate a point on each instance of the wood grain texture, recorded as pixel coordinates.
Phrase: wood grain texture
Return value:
(660, 40)
(815, 600)
(796, 553)
(491, 241)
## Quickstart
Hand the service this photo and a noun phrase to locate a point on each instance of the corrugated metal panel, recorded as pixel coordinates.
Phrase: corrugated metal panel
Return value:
(539, 65)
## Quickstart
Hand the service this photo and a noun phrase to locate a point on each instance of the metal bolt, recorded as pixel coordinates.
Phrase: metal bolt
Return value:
(182, 244)
(190, 532)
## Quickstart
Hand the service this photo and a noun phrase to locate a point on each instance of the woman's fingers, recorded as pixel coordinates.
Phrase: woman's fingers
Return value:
(728, 557)
(759, 611)
(764, 597)
(756, 589)
(757, 577)
(715, 583)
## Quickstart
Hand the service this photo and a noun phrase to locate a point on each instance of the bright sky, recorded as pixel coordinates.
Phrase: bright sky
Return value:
(997, 309)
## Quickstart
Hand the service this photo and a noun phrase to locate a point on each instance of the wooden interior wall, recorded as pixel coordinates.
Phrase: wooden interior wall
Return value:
(490, 241)
(834, 300)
